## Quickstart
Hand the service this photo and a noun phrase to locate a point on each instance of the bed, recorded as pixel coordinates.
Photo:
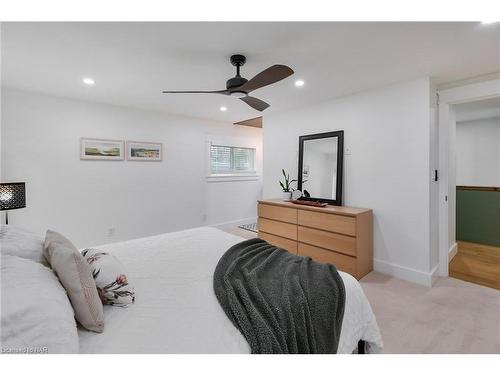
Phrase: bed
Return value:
(176, 310)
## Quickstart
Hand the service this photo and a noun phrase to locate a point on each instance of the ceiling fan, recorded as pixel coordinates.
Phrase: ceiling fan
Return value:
(240, 87)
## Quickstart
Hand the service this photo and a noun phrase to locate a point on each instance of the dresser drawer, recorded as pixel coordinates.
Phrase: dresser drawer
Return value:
(284, 243)
(278, 228)
(286, 214)
(330, 222)
(342, 262)
(328, 240)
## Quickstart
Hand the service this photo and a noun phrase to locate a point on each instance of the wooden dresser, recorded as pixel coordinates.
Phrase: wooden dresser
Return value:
(339, 235)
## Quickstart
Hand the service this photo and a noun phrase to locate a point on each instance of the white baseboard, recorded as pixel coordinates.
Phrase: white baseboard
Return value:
(452, 252)
(235, 222)
(434, 274)
(405, 273)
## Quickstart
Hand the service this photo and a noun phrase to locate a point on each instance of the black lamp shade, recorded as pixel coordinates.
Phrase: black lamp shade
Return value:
(12, 195)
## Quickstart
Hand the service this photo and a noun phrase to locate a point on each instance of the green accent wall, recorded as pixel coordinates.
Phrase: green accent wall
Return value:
(478, 216)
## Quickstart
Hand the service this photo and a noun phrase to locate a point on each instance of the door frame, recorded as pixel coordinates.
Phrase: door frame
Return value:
(447, 159)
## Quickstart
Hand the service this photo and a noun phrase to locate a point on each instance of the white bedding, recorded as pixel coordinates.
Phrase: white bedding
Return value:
(36, 315)
(176, 310)
(19, 242)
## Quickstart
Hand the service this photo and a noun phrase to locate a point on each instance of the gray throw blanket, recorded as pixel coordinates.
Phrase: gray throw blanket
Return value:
(280, 302)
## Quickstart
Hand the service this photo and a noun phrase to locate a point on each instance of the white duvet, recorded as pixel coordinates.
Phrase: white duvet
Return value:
(176, 310)
(36, 315)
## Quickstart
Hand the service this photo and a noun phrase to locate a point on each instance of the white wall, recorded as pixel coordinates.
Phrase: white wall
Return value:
(82, 199)
(478, 152)
(386, 166)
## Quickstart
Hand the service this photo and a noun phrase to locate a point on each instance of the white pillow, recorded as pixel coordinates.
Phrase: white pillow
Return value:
(22, 243)
(36, 315)
(110, 278)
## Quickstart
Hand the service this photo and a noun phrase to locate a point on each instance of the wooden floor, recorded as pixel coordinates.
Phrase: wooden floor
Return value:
(476, 263)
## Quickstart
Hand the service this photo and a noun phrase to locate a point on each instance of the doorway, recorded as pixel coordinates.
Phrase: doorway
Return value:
(449, 100)
(477, 202)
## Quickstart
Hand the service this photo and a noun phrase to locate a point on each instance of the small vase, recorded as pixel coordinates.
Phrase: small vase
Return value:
(287, 195)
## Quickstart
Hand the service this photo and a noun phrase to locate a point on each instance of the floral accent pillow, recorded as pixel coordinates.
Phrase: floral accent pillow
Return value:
(110, 278)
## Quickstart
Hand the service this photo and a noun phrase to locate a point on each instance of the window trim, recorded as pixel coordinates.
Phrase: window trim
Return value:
(232, 177)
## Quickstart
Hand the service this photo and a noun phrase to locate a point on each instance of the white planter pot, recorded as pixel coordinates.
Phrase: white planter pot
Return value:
(287, 195)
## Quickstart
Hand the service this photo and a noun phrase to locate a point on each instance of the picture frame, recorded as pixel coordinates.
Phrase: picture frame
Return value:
(101, 149)
(144, 151)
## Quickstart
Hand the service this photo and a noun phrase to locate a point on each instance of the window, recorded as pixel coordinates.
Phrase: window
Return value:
(227, 160)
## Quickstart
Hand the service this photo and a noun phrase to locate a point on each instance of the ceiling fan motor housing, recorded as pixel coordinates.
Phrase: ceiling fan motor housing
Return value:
(237, 61)
(235, 82)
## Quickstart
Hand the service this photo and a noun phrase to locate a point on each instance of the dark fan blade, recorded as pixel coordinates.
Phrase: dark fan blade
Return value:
(268, 76)
(258, 104)
(223, 92)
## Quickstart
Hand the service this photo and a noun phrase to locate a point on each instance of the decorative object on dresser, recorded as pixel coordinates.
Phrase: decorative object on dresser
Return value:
(321, 159)
(101, 149)
(296, 194)
(339, 235)
(310, 203)
(286, 185)
(12, 197)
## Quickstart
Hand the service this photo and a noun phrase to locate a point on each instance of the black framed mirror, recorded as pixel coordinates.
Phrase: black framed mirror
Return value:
(321, 160)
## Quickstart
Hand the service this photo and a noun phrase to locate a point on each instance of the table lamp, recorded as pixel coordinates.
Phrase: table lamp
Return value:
(12, 196)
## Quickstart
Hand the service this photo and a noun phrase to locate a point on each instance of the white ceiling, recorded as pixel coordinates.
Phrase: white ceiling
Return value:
(132, 62)
(481, 109)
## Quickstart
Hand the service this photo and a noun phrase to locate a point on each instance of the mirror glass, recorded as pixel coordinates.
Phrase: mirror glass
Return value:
(319, 173)
(320, 167)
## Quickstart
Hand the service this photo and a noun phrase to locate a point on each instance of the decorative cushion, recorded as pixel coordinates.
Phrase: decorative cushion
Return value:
(37, 316)
(75, 276)
(110, 278)
(22, 243)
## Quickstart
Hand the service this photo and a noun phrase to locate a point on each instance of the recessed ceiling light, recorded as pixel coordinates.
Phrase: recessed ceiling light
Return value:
(223, 109)
(488, 22)
(299, 83)
(88, 81)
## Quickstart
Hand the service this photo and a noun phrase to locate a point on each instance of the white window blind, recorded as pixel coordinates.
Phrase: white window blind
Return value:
(231, 160)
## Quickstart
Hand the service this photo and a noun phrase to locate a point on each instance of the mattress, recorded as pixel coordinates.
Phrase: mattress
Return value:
(176, 310)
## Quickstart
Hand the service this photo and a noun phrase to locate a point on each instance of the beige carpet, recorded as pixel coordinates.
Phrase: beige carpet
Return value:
(453, 316)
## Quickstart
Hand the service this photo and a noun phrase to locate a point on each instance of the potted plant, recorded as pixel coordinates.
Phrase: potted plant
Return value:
(286, 186)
